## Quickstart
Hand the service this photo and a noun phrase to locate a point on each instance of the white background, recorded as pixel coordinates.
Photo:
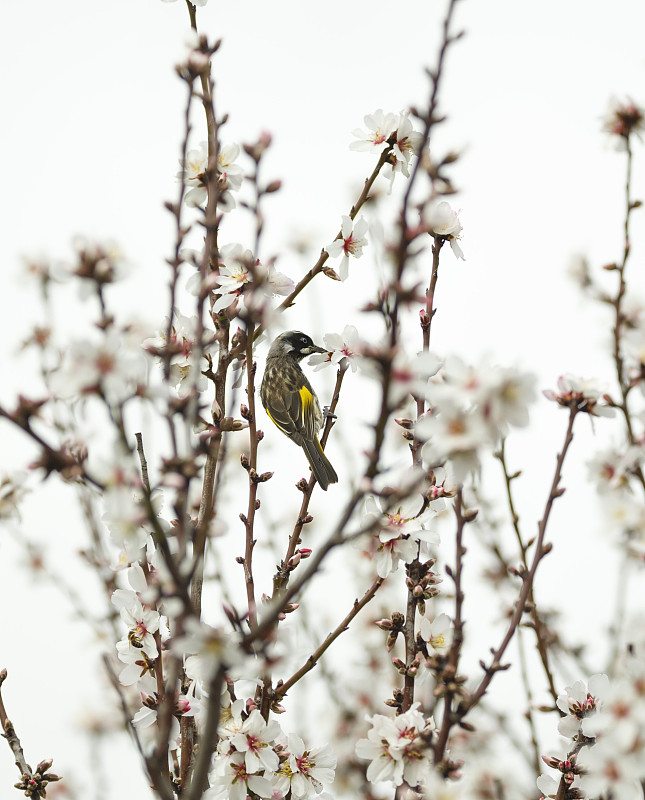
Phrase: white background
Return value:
(90, 136)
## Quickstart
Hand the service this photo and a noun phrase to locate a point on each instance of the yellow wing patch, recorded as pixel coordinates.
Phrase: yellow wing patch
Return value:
(306, 398)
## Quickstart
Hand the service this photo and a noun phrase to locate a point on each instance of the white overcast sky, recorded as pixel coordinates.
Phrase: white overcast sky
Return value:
(91, 130)
(92, 125)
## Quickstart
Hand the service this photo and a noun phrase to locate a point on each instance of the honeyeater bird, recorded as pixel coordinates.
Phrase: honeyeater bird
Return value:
(292, 404)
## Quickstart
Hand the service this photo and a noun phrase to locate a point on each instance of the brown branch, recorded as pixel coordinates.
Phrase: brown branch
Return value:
(324, 255)
(538, 625)
(283, 687)
(624, 384)
(249, 518)
(426, 325)
(409, 637)
(180, 234)
(9, 733)
(530, 717)
(450, 672)
(207, 740)
(528, 578)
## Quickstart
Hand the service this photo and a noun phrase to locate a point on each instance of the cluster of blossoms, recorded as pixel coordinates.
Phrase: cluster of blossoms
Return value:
(113, 367)
(395, 131)
(433, 638)
(143, 649)
(615, 472)
(97, 263)
(254, 755)
(579, 394)
(399, 748)
(612, 469)
(241, 277)
(388, 129)
(185, 372)
(409, 375)
(606, 723)
(469, 409)
(194, 175)
(440, 221)
(402, 534)
(623, 119)
(125, 513)
(138, 648)
(340, 347)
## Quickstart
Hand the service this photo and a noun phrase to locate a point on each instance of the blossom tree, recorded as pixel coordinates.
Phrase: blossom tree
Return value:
(160, 435)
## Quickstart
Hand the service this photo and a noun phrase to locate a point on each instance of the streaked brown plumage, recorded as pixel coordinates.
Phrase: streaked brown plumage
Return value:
(292, 404)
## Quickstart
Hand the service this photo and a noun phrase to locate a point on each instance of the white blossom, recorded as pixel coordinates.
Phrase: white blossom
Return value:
(578, 703)
(380, 126)
(339, 346)
(398, 748)
(443, 222)
(305, 772)
(350, 243)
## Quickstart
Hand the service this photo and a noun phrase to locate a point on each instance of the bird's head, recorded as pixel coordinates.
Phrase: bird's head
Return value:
(294, 344)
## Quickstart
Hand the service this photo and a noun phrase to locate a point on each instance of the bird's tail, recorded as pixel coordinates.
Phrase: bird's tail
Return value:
(320, 464)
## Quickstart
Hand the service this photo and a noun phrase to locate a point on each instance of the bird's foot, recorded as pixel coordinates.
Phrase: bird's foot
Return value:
(327, 414)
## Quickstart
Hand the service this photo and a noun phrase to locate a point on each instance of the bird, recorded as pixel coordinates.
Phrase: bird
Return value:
(292, 404)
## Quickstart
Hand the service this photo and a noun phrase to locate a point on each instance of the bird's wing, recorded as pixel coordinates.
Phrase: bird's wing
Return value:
(304, 411)
(281, 417)
(291, 403)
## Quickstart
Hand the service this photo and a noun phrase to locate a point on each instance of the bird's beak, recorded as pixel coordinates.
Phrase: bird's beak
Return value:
(314, 349)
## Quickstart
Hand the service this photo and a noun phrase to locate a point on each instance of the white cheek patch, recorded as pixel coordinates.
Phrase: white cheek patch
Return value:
(287, 348)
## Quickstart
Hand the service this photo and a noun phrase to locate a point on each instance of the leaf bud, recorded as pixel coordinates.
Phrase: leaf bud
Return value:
(331, 273)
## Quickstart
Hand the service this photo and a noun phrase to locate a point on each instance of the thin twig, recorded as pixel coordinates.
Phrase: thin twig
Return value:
(528, 578)
(282, 688)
